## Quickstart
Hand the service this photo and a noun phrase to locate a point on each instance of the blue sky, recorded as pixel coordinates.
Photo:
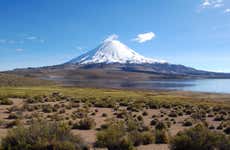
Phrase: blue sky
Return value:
(195, 33)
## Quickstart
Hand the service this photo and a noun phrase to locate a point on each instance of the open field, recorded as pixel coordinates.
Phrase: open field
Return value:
(14, 80)
(91, 113)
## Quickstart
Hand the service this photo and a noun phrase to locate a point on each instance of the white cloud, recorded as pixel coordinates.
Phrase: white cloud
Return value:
(227, 10)
(111, 38)
(31, 38)
(212, 3)
(42, 41)
(206, 3)
(79, 48)
(35, 39)
(19, 49)
(141, 38)
(2, 41)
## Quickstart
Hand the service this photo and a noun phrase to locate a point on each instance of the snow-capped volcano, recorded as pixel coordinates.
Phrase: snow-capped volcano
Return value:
(113, 51)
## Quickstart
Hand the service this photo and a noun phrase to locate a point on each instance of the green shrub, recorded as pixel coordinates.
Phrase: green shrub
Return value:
(42, 136)
(199, 138)
(84, 124)
(14, 116)
(172, 114)
(104, 115)
(123, 135)
(147, 138)
(219, 118)
(161, 126)
(154, 122)
(140, 118)
(114, 137)
(161, 136)
(105, 103)
(66, 145)
(153, 104)
(227, 130)
(5, 101)
(136, 137)
(187, 122)
(47, 108)
(145, 113)
(13, 123)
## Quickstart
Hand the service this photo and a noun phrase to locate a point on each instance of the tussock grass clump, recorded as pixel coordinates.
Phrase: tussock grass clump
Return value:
(5, 101)
(107, 102)
(43, 135)
(161, 136)
(173, 114)
(80, 113)
(219, 118)
(17, 115)
(153, 104)
(47, 108)
(123, 135)
(188, 122)
(227, 130)
(154, 122)
(84, 124)
(199, 138)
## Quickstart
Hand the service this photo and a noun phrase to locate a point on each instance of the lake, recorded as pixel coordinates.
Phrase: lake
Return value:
(198, 85)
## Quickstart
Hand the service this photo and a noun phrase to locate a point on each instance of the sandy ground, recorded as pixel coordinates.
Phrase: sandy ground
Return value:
(90, 135)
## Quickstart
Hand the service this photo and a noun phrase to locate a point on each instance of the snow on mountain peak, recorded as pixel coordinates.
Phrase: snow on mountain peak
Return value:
(112, 51)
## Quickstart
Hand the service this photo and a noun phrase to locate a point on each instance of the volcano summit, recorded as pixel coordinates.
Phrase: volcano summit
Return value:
(113, 51)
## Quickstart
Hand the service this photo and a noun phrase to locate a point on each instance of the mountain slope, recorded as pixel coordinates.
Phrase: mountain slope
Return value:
(112, 51)
(14, 80)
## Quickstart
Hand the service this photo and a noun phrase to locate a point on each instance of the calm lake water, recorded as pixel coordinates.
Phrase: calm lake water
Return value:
(198, 85)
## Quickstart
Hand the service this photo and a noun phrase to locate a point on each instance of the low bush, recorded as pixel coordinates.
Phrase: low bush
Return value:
(153, 104)
(14, 116)
(43, 136)
(47, 108)
(123, 135)
(145, 113)
(104, 115)
(199, 138)
(173, 114)
(227, 130)
(188, 122)
(147, 138)
(5, 101)
(84, 124)
(114, 137)
(154, 122)
(161, 136)
(219, 118)
(161, 126)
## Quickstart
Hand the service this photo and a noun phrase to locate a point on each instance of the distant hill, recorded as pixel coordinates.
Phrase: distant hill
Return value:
(14, 80)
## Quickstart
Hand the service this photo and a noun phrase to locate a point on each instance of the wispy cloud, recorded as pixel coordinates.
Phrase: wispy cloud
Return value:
(141, 38)
(227, 10)
(79, 48)
(2, 41)
(34, 38)
(31, 38)
(22, 40)
(212, 3)
(111, 38)
(19, 49)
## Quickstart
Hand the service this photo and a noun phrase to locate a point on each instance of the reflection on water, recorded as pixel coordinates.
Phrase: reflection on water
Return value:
(199, 85)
